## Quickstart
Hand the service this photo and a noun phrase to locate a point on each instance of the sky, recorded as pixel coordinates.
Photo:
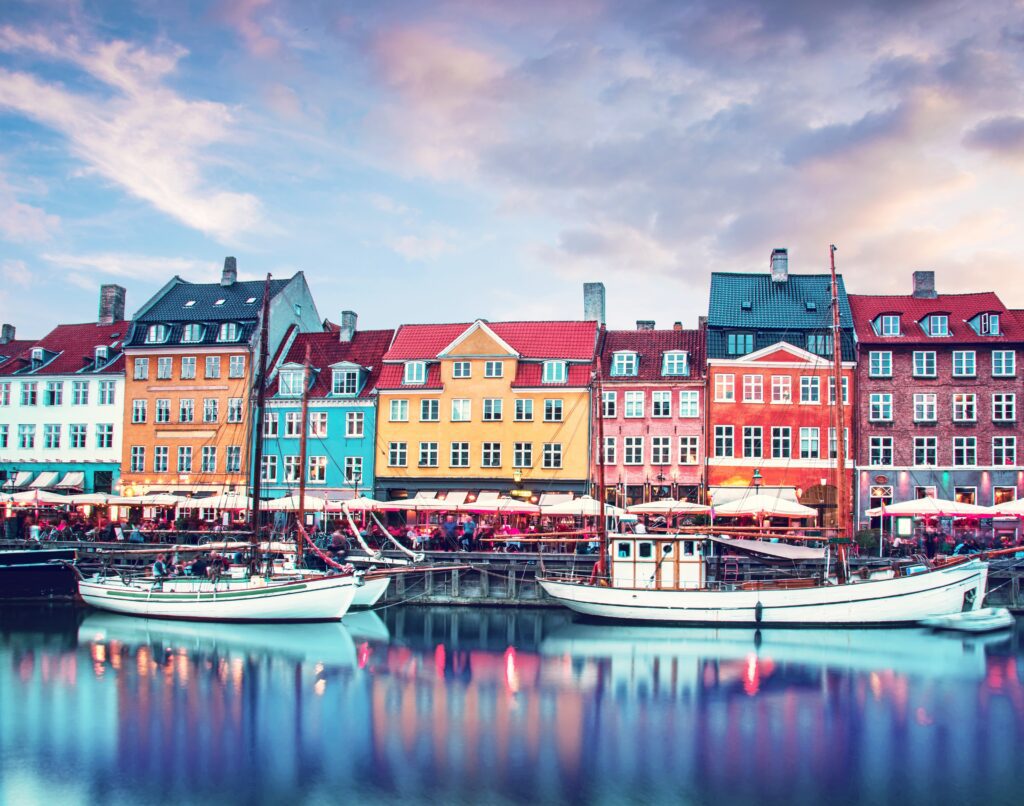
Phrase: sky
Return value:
(455, 159)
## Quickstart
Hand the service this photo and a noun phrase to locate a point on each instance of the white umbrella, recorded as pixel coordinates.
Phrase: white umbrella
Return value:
(931, 508)
(222, 501)
(505, 505)
(761, 505)
(1013, 509)
(419, 505)
(101, 499)
(585, 506)
(38, 498)
(667, 506)
(361, 504)
(161, 500)
(290, 503)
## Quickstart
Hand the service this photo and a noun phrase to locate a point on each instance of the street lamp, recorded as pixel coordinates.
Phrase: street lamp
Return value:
(756, 479)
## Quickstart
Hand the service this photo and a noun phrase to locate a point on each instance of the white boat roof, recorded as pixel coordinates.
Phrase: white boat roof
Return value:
(784, 551)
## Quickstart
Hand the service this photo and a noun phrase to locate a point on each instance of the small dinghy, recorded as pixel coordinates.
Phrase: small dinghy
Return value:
(987, 619)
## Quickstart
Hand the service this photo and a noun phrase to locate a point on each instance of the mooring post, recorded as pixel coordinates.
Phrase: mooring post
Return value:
(455, 584)
(485, 583)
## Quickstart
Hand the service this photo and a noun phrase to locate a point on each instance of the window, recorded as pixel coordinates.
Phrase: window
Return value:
(415, 373)
(316, 472)
(229, 331)
(522, 454)
(553, 411)
(633, 450)
(105, 435)
(236, 366)
(924, 408)
(725, 387)
(208, 462)
(810, 447)
(965, 408)
(609, 405)
(490, 455)
(938, 325)
(354, 424)
(51, 435)
(1004, 363)
(661, 403)
(4, 433)
(157, 334)
(924, 363)
(782, 442)
(890, 325)
(819, 344)
(289, 382)
(554, 372)
(1003, 495)
(752, 441)
(235, 410)
(964, 364)
(661, 450)
(270, 424)
(524, 410)
(27, 435)
(141, 371)
(740, 343)
(164, 365)
(191, 334)
(293, 424)
(625, 363)
(1004, 451)
(430, 410)
(880, 364)
(106, 393)
(609, 451)
(353, 469)
(988, 324)
(832, 390)
(675, 363)
(186, 410)
(268, 470)
(634, 404)
(753, 389)
(344, 382)
(965, 451)
(459, 454)
(461, 410)
(211, 411)
(213, 369)
(399, 411)
(926, 451)
(461, 369)
(782, 389)
(880, 407)
(54, 394)
(317, 424)
(160, 458)
(880, 451)
(689, 403)
(5, 393)
(139, 411)
(428, 454)
(810, 389)
(78, 435)
(552, 455)
(397, 454)
(1004, 407)
(833, 448)
(723, 440)
(493, 369)
(29, 393)
(185, 459)
(492, 409)
(79, 393)
(163, 410)
(138, 462)
(292, 469)
(688, 450)
(188, 367)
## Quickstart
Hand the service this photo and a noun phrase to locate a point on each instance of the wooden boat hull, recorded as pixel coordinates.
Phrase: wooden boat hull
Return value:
(901, 600)
(308, 599)
(989, 619)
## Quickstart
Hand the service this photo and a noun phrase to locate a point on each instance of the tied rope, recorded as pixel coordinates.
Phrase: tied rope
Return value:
(345, 569)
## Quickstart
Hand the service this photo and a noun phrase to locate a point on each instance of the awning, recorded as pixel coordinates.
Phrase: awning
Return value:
(21, 479)
(547, 499)
(456, 497)
(727, 494)
(426, 494)
(487, 495)
(48, 478)
(784, 551)
(75, 480)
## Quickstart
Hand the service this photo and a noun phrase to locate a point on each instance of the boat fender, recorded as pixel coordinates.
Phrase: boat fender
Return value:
(758, 612)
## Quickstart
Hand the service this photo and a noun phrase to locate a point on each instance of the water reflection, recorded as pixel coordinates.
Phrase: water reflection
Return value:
(482, 705)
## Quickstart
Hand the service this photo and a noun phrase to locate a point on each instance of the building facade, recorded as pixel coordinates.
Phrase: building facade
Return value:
(486, 407)
(62, 403)
(342, 412)
(191, 361)
(938, 396)
(652, 412)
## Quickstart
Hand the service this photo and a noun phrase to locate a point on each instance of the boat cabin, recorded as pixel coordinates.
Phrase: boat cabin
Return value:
(672, 562)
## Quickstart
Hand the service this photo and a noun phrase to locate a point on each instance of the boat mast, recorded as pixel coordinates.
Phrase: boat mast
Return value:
(601, 569)
(840, 420)
(304, 426)
(261, 405)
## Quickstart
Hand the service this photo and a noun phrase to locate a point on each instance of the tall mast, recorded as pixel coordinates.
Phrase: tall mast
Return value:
(261, 405)
(602, 533)
(303, 434)
(840, 419)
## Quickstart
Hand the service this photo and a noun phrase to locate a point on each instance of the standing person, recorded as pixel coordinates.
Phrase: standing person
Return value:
(449, 530)
(468, 530)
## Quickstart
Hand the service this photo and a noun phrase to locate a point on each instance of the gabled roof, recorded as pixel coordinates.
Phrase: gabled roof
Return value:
(752, 301)
(959, 307)
(780, 352)
(72, 348)
(651, 345)
(170, 306)
(392, 377)
(366, 349)
(569, 341)
(480, 325)
(13, 348)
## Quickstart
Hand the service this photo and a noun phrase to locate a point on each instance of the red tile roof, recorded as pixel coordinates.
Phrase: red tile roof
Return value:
(392, 375)
(959, 307)
(650, 345)
(530, 373)
(74, 346)
(366, 349)
(13, 348)
(572, 341)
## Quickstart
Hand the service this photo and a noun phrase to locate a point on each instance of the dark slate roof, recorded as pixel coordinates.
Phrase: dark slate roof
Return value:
(651, 345)
(775, 305)
(70, 349)
(960, 308)
(171, 306)
(139, 331)
(366, 349)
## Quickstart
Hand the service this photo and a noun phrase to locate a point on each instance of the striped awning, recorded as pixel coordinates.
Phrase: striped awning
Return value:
(548, 499)
(487, 495)
(45, 480)
(21, 479)
(75, 480)
(427, 494)
(456, 497)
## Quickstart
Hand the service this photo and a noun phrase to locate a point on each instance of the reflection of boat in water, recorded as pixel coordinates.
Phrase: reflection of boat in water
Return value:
(917, 652)
(367, 626)
(988, 619)
(329, 643)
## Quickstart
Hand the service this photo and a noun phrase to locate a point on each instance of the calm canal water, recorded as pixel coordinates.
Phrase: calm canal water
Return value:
(490, 706)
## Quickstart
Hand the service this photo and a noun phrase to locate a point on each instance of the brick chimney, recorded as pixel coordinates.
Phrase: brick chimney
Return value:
(924, 285)
(111, 304)
(6, 334)
(230, 274)
(645, 324)
(780, 265)
(677, 325)
(347, 328)
(593, 302)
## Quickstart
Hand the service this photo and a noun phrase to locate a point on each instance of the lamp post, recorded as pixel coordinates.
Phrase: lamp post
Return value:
(756, 479)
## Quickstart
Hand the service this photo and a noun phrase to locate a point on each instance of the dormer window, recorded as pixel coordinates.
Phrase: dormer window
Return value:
(219, 302)
(250, 300)
(100, 356)
(290, 383)
(157, 334)
(675, 363)
(889, 324)
(625, 363)
(988, 324)
(937, 325)
(415, 372)
(554, 372)
(345, 382)
(229, 331)
(192, 333)
(190, 303)
(37, 355)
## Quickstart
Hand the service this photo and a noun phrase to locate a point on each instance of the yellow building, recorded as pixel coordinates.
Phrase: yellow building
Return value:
(484, 408)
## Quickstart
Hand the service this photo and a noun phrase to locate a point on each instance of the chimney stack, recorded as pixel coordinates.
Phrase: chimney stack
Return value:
(645, 324)
(677, 325)
(111, 304)
(924, 285)
(593, 302)
(230, 274)
(780, 265)
(347, 328)
(6, 334)
(702, 322)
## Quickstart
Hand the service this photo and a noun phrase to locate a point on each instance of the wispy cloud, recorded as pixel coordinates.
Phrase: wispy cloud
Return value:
(21, 222)
(138, 267)
(420, 248)
(16, 272)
